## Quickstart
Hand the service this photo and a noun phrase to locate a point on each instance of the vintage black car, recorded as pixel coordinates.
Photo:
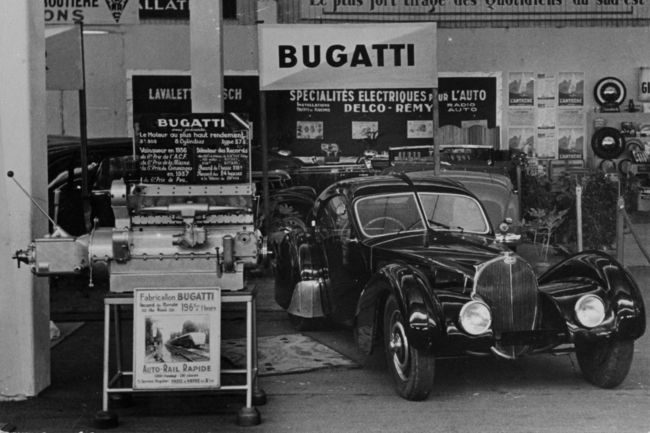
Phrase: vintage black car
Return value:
(414, 262)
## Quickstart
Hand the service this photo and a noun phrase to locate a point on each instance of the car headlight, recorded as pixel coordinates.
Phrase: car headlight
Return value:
(590, 311)
(475, 317)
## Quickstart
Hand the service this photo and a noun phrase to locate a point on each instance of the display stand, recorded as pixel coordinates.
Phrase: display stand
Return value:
(113, 385)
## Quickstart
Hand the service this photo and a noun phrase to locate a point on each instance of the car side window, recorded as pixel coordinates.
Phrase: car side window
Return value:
(333, 219)
(388, 213)
(454, 212)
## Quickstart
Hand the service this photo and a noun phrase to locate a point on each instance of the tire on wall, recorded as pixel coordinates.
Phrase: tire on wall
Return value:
(605, 364)
(608, 143)
(412, 370)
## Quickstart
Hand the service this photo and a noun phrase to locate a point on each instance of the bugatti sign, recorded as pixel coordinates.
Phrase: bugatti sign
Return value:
(382, 56)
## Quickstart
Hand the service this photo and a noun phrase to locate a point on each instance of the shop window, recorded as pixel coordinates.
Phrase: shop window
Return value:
(229, 9)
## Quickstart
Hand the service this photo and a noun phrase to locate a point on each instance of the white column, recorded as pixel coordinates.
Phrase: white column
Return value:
(206, 58)
(24, 300)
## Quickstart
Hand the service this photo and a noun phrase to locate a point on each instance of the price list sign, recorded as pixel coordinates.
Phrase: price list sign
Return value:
(193, 149)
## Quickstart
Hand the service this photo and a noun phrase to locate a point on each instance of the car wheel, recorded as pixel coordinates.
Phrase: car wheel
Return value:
(412, 369)
(606, 364)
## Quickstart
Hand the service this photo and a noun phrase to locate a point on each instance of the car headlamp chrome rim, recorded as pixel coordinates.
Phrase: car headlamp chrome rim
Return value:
(475, 317)
(590, 311)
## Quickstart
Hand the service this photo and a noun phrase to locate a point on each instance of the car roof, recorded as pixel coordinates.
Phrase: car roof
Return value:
(470, 176)
(368, 185)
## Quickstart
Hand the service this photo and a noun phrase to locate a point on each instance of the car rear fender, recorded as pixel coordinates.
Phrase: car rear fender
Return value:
(593, 272)
(415, 298)
(299, 275)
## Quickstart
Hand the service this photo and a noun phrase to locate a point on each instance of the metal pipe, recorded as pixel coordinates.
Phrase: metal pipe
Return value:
(83, 137)
(436, 145)
(579, 215)
(264, 138)
(620, 228)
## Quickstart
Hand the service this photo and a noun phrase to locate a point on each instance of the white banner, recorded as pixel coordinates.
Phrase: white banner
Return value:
(347, 56)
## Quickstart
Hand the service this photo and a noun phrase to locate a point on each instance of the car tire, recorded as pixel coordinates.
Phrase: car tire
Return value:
(605, 364)
(608, 143)
(412, 369)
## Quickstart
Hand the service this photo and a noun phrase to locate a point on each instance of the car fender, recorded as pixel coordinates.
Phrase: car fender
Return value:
(416, 300)
(594, 272)
(300, 265)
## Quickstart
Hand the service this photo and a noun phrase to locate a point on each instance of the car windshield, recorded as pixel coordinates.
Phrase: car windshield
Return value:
(392, 213)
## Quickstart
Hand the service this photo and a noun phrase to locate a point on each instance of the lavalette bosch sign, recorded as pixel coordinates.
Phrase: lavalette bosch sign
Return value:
(339, 56)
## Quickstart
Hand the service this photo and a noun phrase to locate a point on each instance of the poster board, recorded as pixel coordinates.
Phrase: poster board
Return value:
(302, 120)
(176, 338)
(201, 148)
(546, 114)
(354, 120)
(151, 91)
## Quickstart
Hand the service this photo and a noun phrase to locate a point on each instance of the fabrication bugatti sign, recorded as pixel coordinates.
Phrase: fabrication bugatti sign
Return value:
(342, 56)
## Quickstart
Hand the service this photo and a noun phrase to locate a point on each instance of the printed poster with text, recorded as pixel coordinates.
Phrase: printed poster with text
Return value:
(521, 89)
(571, 89)
(521, 114)
(176, 338)
(546, 113)
(571, 143)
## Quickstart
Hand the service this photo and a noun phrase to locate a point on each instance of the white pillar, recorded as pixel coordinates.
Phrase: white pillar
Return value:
(206, 58)
(24, 300)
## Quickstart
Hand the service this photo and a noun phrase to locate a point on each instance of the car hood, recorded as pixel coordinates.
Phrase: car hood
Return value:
(453, 250)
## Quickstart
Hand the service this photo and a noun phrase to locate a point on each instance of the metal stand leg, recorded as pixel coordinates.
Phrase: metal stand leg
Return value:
(249, 415)
(118, 338)
(123, 399)
(104, 418)
(259, 396)
(107, 338)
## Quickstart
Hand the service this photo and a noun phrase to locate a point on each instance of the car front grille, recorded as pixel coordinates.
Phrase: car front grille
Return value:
(509, 286)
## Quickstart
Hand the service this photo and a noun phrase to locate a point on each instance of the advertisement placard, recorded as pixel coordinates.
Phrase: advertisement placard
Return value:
(166, 91)
(91, 12)
(571, 143)
(176, 338)
(202, 148)
(571, 89)
(349, 120)
(521, 89)
(464, 99)
(347, 56)
(487, 10)
(164, 9)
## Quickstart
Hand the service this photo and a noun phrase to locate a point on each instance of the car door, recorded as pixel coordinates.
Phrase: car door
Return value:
(345, 263)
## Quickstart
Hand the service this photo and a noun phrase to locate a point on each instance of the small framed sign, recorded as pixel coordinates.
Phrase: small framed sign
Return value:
(176, 338)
